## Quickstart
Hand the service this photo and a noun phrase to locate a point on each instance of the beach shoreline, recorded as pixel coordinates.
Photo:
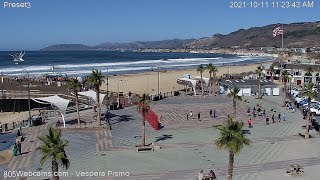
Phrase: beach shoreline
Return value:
(147, 82)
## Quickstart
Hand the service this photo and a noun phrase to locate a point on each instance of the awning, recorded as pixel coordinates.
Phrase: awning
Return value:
(92, 94)
(58, 102)
(190, 82)
(206, 80)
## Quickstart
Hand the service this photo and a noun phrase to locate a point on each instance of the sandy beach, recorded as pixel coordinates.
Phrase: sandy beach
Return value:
(148, 82)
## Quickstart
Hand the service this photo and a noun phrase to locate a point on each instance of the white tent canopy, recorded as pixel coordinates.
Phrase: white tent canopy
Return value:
(187, 81)
(92, 94)
(59, 102)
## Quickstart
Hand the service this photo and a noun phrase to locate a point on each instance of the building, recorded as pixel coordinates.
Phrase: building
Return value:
(298, 72)
(249, 87)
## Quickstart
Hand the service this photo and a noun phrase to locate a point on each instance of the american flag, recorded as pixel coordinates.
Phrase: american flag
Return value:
(277, 31)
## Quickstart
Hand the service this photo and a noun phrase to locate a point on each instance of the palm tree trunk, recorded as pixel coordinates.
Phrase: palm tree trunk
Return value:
(210, 83)
(77, 104)
(230, 167)
(259, 96)
(234, 108)
(214, 84)
(202, 86)
(143, 129)
(285, 92)
(55, 170)
(98, 107)
(308, 119)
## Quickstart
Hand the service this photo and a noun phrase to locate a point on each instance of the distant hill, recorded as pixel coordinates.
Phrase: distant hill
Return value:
(304, 34)
(165, 44)
(295, 35)
(67, 47)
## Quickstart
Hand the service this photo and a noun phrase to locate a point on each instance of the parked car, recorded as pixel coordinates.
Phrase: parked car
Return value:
(315, 110)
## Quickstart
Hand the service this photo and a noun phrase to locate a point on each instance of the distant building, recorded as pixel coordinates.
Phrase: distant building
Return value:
(268, 49)
(298, 50)
(249, 87)
(298, 72)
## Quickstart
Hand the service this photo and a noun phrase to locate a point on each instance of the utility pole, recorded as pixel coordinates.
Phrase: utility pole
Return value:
(1, 92)
(158, 67)
(29, 105)
(108, 105)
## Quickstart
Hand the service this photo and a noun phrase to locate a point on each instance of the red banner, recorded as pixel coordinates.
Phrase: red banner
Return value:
(152, 118)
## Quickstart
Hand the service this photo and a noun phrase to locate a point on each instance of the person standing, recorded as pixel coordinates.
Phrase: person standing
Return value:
(199, 116)
(214, 113)
(264, 112)
(19, 147)
(210, 112)
(267, 120)
(187, 116)
(279, 116)
(250, 123)
(212, 175)
(191, 114)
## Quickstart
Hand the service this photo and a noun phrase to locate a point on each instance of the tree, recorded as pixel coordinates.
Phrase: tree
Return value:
(285, 77)
(96, 80)
(259, 72)
(212, 71)
(309, 73)
(201, 69)
(309, 92)
(144, 108)
(232, 140)
(234, 95)
(75, 86)
(272, 72)
(53, 148)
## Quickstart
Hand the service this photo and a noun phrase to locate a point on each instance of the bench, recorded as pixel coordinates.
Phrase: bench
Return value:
(145, 148)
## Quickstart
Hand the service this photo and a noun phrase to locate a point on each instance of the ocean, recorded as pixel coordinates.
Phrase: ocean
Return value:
(81, 63)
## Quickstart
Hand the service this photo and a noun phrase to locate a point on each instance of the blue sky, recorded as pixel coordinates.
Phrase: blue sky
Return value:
(92, 22)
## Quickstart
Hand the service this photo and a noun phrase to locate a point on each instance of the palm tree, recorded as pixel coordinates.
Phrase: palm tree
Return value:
(53, 148)
(259, 72)
(75, 86)
(232, 140)
(144, 108)
(212, 70)
(201, 69)
(310, 93)
(285, 78)
(234, 95)
(309, 73)
(272, 71)
(96, 80)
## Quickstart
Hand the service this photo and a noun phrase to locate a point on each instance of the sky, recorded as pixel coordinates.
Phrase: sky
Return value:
(92, 22)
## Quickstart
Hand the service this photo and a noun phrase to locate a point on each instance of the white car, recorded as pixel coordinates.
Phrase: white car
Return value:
(315, 110)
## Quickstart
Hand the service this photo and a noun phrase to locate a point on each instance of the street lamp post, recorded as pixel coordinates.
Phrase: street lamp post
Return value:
(29, 105)
(158, 67)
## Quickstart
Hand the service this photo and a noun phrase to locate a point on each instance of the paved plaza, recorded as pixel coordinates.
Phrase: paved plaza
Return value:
(187, 145)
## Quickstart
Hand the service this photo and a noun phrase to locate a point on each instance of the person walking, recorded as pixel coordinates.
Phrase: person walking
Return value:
(273, 118)
(267, 120)
(15, 149)
(187, 116)
(214, 113)
(279, 116)
(199, 116)
(210, 112)
(250, 123)
(201, 175)
(264, 113)
(284, 116)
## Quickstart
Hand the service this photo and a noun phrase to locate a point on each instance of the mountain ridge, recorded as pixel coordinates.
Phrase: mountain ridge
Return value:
(299, 34)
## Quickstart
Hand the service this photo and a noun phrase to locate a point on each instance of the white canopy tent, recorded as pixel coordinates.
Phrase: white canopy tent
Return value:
(190, 82)
(58, 102)
(92, 94)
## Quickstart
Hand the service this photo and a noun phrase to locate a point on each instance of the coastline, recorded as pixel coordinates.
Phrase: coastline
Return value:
(147, 82)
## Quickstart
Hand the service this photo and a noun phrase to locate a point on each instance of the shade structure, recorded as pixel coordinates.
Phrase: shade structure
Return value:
(206, 80)
(92, 94)
(189, 82)
(58, 102)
